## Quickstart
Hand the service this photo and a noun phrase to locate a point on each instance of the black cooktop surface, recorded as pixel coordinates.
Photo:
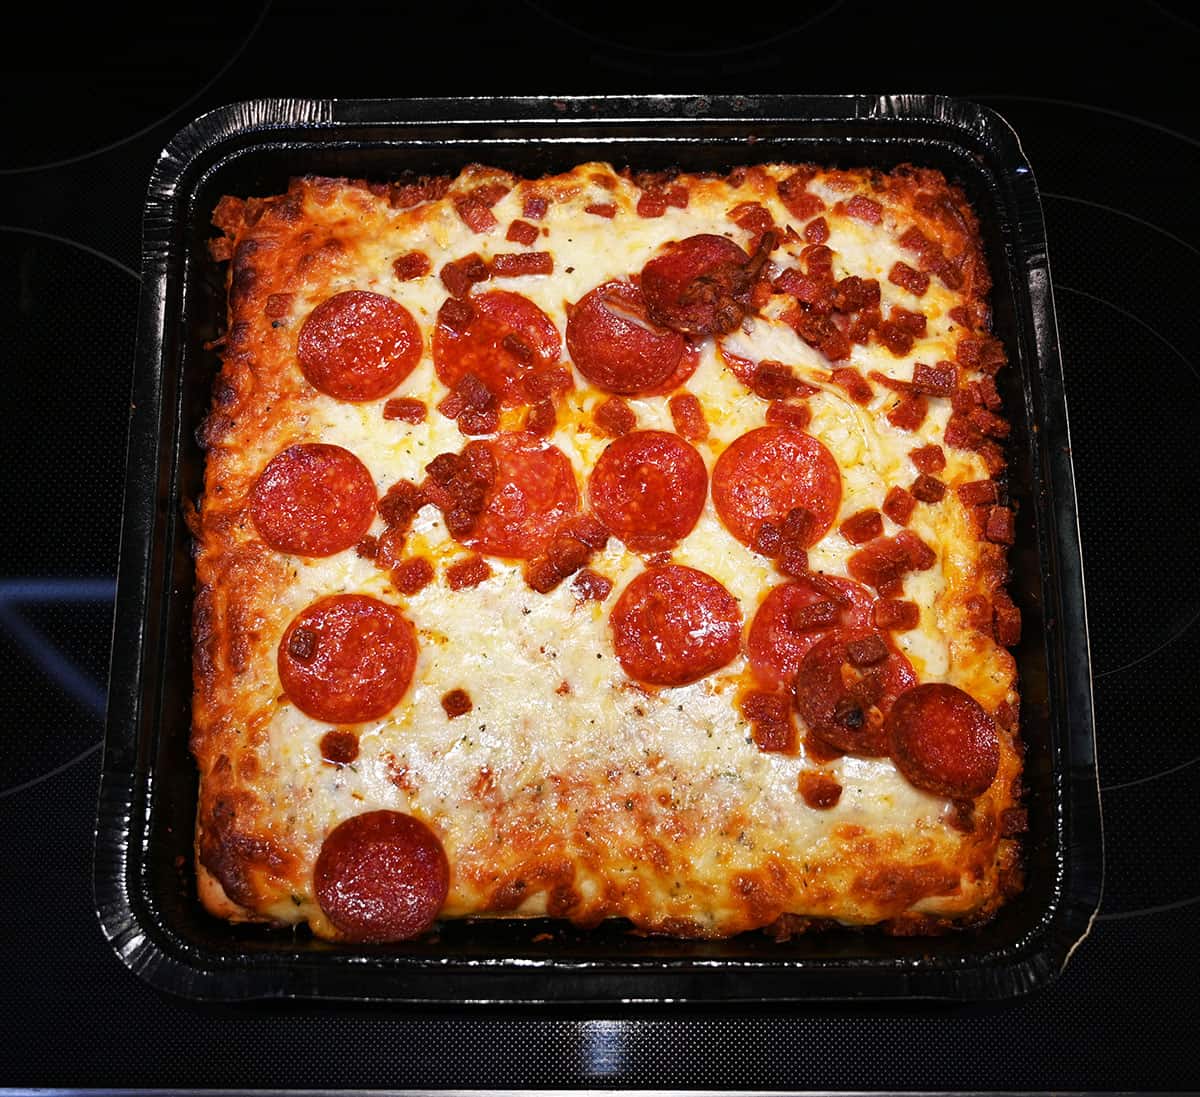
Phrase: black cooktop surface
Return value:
(1102, 108)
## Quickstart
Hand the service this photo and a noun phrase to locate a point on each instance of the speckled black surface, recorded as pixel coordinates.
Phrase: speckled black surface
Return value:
(1104, 115)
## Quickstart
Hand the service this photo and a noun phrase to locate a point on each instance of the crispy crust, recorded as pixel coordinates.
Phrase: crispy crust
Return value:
(660, 844)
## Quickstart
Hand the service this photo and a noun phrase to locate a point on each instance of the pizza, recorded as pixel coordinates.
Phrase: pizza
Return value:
(607, 545)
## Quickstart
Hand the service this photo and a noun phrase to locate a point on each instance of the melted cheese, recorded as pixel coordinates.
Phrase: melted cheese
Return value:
(658, 801)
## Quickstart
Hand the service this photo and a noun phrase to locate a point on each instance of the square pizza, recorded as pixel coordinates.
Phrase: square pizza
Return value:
(607, 545)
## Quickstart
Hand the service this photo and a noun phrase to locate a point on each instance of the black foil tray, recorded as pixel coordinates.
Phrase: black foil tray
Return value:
(144, 888)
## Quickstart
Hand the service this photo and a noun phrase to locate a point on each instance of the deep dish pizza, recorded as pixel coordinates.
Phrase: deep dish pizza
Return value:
(607, 545)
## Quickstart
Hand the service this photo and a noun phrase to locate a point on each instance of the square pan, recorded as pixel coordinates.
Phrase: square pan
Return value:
(144, 887)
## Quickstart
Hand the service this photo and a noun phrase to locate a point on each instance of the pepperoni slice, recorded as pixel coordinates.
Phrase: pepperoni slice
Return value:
(615, 346)
(347, 658)
(503, 337)
(358, 346)
(532, 492)
(769, 471)
(313, 499)
(844, 704)
(781, 635)
(943, 741)
(649, 488)
(673, 625)
(381, 876)
(699, 286)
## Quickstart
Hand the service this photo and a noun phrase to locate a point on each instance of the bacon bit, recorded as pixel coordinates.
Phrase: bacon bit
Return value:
(978, 612)
(909, 414)
(545, 384)
(898, 506)
(818, 261)
(522, 232)
(904, 276)
(490, 193)
(414, 264)
(535, 207)
(474, 422)
(816, 615)
(896, 615)
(939, 380)
(1007, 620)
(915, 240)
(980, 352)
(1001, 526)
(790, 280)
(457, 315)
(687, 413)
(519, 264)
(367, 547)
(412, 575)
(793, 193)
(792, 561)
(920, 556)
(789, 415)
(865, 209)
(465, 478)
(774, 381)
(854, 293)
(458, 276)
(989, 423)
(476, 214)
(819, 332)
(652, 204)
(452, 405)
(399, 506)
(862, 527)
(861, 326)
(518, 348)
(894, 337)
(928, 489)
(467, 573)
(961, 316)
(302, 645)
(573, 546)
(588, 529)
(277, 306)
(819, 790)
(591, 586)
(912, 322)
(456, 703)
(976, 493)
(614, 417)
(882, 564)
(541, 419)
(677, 196)
(405, 409)
(930, 459)
(817, 231)
(770, 720)
(856, 386)
(985, 392)
(768, 541)
(602, 209)
(754, 217)
(866, 652)
(961, 433)
(474, 393)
